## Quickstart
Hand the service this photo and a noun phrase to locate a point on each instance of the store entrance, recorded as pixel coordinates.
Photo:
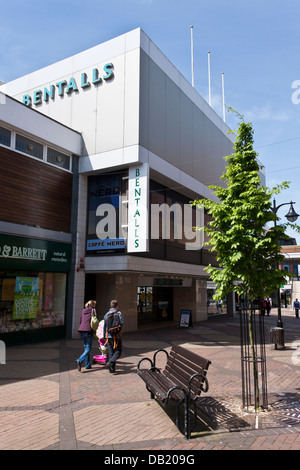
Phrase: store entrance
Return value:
(145, 305)
(163, 303)
(154, 304)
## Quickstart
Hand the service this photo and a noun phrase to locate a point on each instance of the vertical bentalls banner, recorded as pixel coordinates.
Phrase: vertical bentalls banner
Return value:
(138, 200)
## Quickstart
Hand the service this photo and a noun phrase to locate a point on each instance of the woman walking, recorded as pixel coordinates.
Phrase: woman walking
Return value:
(86, 334)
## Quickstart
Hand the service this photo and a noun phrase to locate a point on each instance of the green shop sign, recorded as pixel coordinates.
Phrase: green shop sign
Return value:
(19, 253)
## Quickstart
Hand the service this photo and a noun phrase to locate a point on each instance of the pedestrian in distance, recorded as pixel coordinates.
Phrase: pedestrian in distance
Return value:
(86, 334)
(262, 306)
(268, 305)
(297, 307)
(112, 331)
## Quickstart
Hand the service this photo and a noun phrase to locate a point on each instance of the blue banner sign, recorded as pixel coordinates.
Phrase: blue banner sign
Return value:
(106, 244)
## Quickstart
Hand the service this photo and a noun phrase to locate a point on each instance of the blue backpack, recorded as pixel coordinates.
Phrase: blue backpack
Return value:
(113, 326)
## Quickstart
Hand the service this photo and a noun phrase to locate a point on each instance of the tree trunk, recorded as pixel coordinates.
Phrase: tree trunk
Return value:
(254, 357)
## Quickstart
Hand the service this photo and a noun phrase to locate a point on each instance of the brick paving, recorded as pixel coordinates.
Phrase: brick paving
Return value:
(46, 404)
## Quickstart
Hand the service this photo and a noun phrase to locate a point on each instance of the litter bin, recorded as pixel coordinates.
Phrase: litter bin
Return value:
(276, 336)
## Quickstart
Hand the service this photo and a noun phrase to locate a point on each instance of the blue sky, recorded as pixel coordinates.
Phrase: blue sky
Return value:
(255, 44)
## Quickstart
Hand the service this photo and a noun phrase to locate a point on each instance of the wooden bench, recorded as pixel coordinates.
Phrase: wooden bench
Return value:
(182, 380)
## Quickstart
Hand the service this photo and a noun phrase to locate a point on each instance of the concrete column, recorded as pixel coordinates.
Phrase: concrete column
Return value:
(80, 243)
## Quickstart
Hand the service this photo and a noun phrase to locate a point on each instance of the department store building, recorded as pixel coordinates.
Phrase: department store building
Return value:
(101, 154)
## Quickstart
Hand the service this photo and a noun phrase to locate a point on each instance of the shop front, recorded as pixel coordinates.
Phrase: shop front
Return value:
(147, 299)
(33, 288)
(155, 304)
(153, 272)
(159, 301)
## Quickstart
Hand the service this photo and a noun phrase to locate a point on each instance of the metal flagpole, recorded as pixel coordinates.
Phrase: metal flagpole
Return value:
(223, 92)
(192, 55)
(209, 88)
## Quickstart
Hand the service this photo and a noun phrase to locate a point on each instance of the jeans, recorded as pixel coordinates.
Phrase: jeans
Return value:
(113, 353)
(87, 343)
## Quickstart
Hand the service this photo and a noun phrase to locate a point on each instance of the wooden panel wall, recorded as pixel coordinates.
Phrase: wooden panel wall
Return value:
(34, 193)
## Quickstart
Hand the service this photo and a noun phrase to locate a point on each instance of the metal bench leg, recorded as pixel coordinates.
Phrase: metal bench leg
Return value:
(187, 425)
(151, 394)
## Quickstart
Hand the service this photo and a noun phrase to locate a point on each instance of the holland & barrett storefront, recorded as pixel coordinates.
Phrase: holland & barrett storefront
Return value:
(33, 288)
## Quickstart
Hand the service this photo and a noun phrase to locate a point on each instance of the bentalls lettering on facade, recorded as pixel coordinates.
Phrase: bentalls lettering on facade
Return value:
(70, 86)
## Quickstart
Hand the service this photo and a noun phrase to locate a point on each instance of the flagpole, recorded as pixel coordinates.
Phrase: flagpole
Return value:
(192, 54)
(223, 92)
(209, 88)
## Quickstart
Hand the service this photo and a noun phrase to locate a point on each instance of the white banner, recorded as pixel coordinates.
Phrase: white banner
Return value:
(138, 202)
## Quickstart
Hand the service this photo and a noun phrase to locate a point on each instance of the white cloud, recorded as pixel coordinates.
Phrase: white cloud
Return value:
(266, 113)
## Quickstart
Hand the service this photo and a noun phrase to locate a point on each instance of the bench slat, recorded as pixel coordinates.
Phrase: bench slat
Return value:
(182, 364)
(159, 385)
(179, 376)
(189, 357)
(193, 357)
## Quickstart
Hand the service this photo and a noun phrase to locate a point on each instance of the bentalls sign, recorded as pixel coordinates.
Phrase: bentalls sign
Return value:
(60, 88)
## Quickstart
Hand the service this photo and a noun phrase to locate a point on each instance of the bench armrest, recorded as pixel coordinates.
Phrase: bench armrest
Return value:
(155, 354)
(204, 379)
(144, 359)
(153, 366)
(177, 387)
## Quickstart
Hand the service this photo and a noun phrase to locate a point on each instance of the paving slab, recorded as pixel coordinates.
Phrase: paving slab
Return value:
(46, 404)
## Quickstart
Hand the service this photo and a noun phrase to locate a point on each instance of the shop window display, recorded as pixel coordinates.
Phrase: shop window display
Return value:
(144, 303)
(31, 300)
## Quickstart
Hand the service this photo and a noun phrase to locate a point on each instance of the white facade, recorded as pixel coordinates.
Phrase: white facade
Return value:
(133, 109)
(146, 104)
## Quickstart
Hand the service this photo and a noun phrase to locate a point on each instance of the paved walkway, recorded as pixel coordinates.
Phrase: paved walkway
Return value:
(45, 403)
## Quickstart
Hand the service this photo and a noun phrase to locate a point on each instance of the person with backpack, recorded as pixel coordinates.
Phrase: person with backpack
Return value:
(113, 323)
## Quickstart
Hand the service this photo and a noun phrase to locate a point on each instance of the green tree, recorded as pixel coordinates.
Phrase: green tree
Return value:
(247, 251)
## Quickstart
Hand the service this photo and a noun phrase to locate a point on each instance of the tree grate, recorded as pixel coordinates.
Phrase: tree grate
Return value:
(227, 414)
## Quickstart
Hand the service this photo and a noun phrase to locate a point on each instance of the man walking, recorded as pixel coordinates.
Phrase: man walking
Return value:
(113, 322)
(296, 307)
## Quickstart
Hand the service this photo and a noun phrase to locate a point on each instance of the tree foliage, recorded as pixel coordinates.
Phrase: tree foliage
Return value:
(247, 251)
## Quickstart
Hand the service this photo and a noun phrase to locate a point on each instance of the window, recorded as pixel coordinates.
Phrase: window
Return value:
(25, 145)
(31, 300)
(144, 304)
(58, 159)
(5, 136)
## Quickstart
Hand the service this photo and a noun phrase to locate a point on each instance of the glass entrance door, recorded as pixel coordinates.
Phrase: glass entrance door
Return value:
(144, 304)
